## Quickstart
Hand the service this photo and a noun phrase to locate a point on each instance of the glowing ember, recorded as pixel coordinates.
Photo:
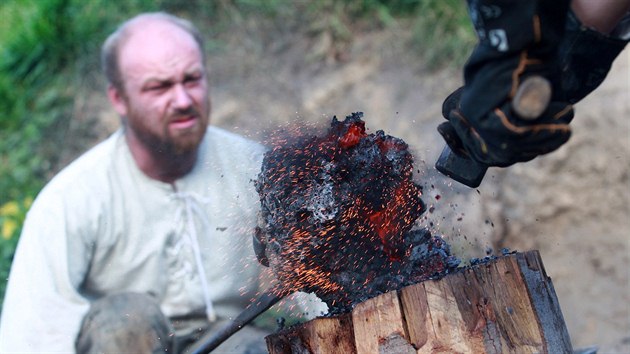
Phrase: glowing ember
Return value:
(337, 213)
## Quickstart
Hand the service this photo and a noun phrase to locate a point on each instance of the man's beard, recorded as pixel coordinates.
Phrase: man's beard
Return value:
(167, 145)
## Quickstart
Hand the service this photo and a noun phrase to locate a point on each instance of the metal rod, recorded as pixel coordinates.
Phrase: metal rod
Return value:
(212, 340)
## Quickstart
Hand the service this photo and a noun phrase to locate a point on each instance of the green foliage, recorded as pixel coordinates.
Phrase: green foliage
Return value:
(12, 216)
(443, 32)
(35, 69)
(375, 12)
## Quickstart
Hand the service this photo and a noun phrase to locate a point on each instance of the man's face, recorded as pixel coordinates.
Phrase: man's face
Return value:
(165, 97)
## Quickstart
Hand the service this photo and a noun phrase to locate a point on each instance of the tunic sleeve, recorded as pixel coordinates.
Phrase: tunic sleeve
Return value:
(42, 308)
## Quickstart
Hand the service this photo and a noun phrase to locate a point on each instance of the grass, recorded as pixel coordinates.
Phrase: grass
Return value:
(443, 33)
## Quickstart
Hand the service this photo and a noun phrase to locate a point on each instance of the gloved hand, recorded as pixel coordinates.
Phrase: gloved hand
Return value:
(517, 39)
(502, 138)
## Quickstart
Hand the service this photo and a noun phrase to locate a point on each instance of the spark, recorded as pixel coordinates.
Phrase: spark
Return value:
(337, 214)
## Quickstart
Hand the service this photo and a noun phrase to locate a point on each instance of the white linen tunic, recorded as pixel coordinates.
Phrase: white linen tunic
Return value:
(101, 226)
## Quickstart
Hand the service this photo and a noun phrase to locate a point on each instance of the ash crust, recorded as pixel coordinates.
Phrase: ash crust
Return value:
(338, 213)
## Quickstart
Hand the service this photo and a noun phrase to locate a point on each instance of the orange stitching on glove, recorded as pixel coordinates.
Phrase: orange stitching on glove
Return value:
(484, 147)
(461, 117)
(517, 72)
(534, 128)
(560, 114)
(482, 143)
(522, 64)
(537, 30)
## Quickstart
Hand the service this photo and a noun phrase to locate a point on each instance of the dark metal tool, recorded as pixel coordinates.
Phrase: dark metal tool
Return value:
(461, 169)
(530, 101)
(212, 340)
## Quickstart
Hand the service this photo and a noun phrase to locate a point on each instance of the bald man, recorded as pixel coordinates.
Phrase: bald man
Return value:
(144, 242)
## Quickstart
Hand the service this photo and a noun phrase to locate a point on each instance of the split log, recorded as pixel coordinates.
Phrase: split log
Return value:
(507, 305)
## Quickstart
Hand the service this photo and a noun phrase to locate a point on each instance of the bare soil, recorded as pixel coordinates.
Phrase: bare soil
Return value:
(573, 205)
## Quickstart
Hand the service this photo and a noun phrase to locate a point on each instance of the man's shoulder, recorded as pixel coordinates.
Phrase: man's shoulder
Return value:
(89, 168)
(227, 153)
(232, 144)
(223, 136)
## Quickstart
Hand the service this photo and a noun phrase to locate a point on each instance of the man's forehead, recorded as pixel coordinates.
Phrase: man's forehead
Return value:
(160, 45)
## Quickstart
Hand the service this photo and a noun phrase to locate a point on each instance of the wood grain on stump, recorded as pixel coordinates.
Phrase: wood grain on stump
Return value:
(507, 305)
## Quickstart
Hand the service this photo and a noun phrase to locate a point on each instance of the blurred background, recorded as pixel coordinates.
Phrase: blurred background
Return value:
(275, 63)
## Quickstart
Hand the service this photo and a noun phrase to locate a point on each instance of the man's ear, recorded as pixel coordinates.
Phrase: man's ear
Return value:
(117, 99)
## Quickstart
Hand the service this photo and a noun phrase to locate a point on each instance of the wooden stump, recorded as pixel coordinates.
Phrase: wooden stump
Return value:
(507, 305)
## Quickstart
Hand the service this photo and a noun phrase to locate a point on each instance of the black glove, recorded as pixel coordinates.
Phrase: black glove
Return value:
(517, 39)
(507, 138)
(585, 57)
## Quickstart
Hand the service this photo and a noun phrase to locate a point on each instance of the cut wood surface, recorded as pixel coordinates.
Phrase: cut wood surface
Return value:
(322, 335)
(507, 305)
